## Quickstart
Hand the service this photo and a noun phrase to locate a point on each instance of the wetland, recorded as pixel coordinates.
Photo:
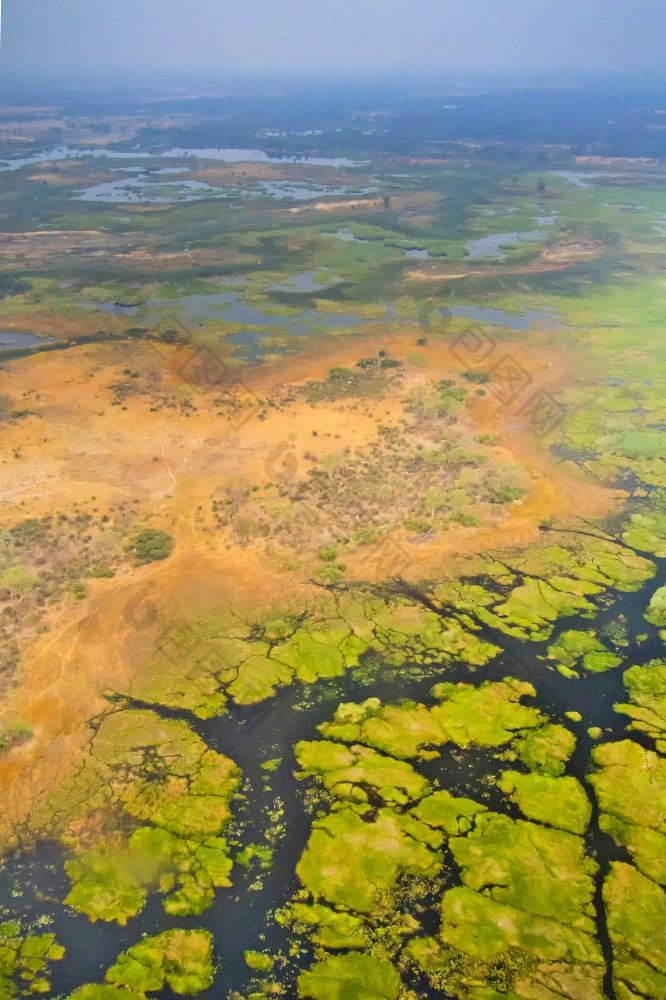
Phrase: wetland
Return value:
(332, 567)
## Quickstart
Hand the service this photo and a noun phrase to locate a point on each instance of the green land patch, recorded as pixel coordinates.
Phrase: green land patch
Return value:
(582, 650)
(646, 687)
(523, 911)
(180, 959)
(631, 789)
(168, 796)
(350, 977)
(24, 961)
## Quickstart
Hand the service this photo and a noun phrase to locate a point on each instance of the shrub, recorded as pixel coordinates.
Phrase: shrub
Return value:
(328, 574)
(415, 524)
(466, 520)
(328, 553)
(506, 494)
(150, 545)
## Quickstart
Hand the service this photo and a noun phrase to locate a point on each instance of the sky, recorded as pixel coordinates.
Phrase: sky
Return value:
(66, 37)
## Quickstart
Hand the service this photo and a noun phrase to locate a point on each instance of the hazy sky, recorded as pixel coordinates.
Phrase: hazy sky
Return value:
(307, 35)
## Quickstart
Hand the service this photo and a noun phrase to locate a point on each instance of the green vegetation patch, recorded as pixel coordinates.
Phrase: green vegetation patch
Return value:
(201, 668)
(181, 959)
(478, 926)
(447, 812)
(647, 533)
(354, 772)
(24, 960)
(636, 915)
(95, 991)
(13, 734)
(646, 686)
(352, 861)
(150, 545)
(157, 772)
(488, 715)
(528, 888)
(546, 749)
(583, 650)
(631, 789)
(656, 612)
(549, 583)
(559, 802)
(536, 869)
(258, 961)
(325, 926)
(350, 977)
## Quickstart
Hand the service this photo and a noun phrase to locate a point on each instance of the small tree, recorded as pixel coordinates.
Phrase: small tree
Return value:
(434, 500)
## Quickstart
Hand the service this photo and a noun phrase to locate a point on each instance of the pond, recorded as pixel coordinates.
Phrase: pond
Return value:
(500, 317)
(347, 236)
(309, 281)
(582, 178)
(226, 306)
(18, 341)
(417, 253)
(294, 191)
(191, 311)
(141, 190)
(494, 246)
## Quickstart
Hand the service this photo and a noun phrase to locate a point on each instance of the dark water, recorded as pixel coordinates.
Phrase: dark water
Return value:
(493, 246)
(192, 310)
(309, 281)
(17, 341)
(500, 317)
(263, 732)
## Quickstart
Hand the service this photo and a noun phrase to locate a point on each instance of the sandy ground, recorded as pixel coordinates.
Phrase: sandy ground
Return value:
(80, 447)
